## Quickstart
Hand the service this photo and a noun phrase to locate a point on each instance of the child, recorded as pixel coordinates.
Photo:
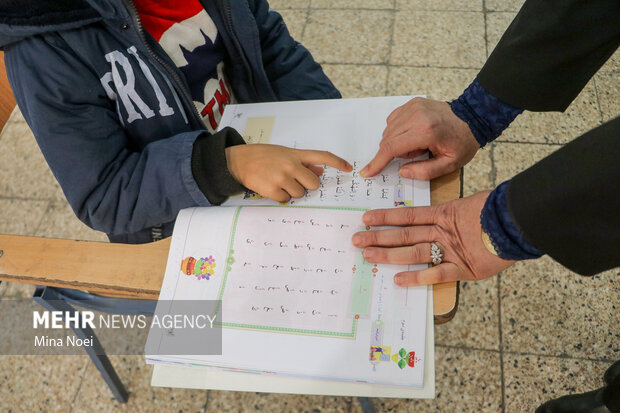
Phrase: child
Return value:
(124, 98)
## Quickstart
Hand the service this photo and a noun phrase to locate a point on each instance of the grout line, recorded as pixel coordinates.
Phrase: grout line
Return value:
(561, 356)
(390, 48)
(387, 81)
(45, 214)
(19, 198)
(388, 58)
(501, 340)
(493, 179)
(486, 38)
(493, 171)
(389, 54)
(519, 353)
(530, 143)
(303, 30)
(487, 350)
(324, 62)
(206, 408)
(86, 365)
(598, 100)
(379, 9)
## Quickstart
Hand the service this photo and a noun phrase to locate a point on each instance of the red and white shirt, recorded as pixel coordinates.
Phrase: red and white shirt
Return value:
(188, 35)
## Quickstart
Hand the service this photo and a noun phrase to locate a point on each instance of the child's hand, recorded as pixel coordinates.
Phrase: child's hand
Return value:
(278, 172)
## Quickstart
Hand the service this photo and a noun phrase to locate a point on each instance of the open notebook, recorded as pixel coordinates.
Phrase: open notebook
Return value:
(297, 299)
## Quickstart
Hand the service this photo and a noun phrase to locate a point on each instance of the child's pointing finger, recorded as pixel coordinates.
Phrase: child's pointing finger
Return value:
(310, 157)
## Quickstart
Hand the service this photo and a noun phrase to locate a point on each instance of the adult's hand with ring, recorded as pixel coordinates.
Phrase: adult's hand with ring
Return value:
(453, 226)
(420, 125)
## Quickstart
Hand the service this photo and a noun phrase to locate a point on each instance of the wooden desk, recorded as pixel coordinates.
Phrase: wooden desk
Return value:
(137, 271)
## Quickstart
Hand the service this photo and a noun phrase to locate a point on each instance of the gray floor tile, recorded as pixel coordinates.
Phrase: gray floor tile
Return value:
(497, 23)
(289, 4)
(440, 84)
(532, 380)
(39, 383)
(348, 36)
(446, 39)
(60, 222)
(546, 309)
(608, 88)
(477, 175)
(228, 401)
(12, 290)
(23, 170)
(352, 4)
(555, 127)
(613, 64)
(513, 158)
(466, 381)
(15, 117)
(440, 5)
(503, 5)
(94, 394)
(295, 21)
(21, 217)
(358, 81)
(476, 321)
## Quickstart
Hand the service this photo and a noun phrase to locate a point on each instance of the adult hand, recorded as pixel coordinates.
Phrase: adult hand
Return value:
(454, 227)
(420, 125)
(278, 172)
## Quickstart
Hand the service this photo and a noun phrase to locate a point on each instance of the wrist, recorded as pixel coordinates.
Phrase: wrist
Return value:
(210, 165)
(503, 235)
(488, 244)
(231, 156)
(486, 116)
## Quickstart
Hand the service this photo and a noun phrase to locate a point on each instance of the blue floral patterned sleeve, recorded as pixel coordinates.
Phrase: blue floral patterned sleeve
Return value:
(487, 117)
(506, 238)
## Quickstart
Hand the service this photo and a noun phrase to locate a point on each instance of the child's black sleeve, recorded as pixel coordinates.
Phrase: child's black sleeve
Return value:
(209, 166)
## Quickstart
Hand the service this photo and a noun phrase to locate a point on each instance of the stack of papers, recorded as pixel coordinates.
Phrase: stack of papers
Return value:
(295, 297)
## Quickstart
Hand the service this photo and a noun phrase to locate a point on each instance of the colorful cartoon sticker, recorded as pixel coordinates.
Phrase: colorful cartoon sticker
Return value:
(404, 359)
(380, 353)
(202, 268)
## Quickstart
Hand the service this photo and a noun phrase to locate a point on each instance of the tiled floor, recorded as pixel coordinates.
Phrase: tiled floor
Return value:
(534, 332)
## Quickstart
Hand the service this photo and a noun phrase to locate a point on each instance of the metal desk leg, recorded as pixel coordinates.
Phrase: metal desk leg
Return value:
(366, 403)
(51, 300)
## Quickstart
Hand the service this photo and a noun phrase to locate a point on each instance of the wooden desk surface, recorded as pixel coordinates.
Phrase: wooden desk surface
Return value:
(137, 271)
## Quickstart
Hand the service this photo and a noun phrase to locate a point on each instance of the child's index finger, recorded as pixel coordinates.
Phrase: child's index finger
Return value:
(311, 157)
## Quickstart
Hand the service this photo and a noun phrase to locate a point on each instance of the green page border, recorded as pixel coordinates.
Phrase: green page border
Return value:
(230, 260)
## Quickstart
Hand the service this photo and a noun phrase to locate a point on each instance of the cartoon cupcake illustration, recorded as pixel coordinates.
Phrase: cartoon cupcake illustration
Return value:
(203, 268)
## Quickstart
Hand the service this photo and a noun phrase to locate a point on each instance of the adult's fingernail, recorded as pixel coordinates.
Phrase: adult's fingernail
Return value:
(399, 279)
(367, 218)
(357, 239)
(364, 171)
(368, 253)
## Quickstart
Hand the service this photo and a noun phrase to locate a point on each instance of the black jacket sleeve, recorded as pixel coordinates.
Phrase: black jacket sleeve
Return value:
(550, 51)
(209, 166)
(568, 204)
